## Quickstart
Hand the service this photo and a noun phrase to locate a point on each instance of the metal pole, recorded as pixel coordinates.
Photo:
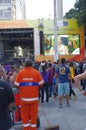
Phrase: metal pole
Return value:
(41, 27)
(55, 32)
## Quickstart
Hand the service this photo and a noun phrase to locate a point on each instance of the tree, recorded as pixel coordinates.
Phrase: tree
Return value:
(79, 12)
(72, 14)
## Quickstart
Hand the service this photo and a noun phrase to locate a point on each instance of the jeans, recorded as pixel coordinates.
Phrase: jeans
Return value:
(55, 89)
(45, 89)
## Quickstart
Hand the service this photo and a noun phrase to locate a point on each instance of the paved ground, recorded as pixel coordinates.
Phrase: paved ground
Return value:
(68, 118)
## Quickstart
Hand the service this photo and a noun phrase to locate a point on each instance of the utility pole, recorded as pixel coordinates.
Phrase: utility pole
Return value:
(55, 32)
(40, 28)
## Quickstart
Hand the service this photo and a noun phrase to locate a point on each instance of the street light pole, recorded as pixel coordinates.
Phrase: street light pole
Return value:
(55, 32)
(40, 28)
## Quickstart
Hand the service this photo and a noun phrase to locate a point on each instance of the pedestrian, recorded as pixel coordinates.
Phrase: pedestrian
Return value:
(28, 81)
(57, 64)
(55, 86)
(51, 74)
(84, 80)
(45, 88)
(2, 73)
(12, 77)
(6, 104)
(63, 74)
(77, 80)
(71, 82)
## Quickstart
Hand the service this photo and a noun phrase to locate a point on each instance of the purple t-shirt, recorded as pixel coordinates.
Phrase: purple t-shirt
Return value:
(45, 76)
(7, 67)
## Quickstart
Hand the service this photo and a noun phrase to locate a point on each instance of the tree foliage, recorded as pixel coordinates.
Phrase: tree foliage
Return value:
(78, 12)
(72, 14)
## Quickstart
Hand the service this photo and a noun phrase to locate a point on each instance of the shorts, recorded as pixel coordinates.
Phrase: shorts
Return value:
(63, 89)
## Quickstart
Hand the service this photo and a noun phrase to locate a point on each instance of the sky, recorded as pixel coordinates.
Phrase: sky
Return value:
(38, 9)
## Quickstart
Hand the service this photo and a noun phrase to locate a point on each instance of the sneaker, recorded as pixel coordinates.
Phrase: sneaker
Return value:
(47, 100)
(52, 96)
(55, 96)
(74, 97)
(70, 97)
(68, 104)
(60, 105)
(17, 123)
(42, 101)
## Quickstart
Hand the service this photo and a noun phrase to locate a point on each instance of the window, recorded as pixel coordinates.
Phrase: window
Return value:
(1, 11)
(7, 1)
(7, 15)
(7, 8)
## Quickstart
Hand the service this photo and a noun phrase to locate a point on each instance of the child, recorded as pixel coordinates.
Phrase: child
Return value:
(54, 86)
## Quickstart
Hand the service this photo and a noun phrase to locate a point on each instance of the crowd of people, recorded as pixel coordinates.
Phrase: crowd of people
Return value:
(25, 85)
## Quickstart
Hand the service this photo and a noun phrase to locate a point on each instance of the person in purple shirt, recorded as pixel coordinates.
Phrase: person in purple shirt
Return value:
(63, 73)
(45, 88)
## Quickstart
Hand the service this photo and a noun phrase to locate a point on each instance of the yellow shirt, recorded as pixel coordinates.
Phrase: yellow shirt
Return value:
(72, 72)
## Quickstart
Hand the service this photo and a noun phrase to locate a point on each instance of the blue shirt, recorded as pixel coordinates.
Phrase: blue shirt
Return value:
(53, 80)
(62, 72)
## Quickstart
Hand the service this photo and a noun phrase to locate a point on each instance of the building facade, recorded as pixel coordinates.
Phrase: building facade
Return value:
(12, 10)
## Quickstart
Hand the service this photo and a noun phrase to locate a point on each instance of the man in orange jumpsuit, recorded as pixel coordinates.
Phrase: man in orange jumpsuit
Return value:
(28, 81)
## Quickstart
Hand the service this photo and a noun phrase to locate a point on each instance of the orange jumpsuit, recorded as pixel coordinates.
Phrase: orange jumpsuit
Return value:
(28, 80)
